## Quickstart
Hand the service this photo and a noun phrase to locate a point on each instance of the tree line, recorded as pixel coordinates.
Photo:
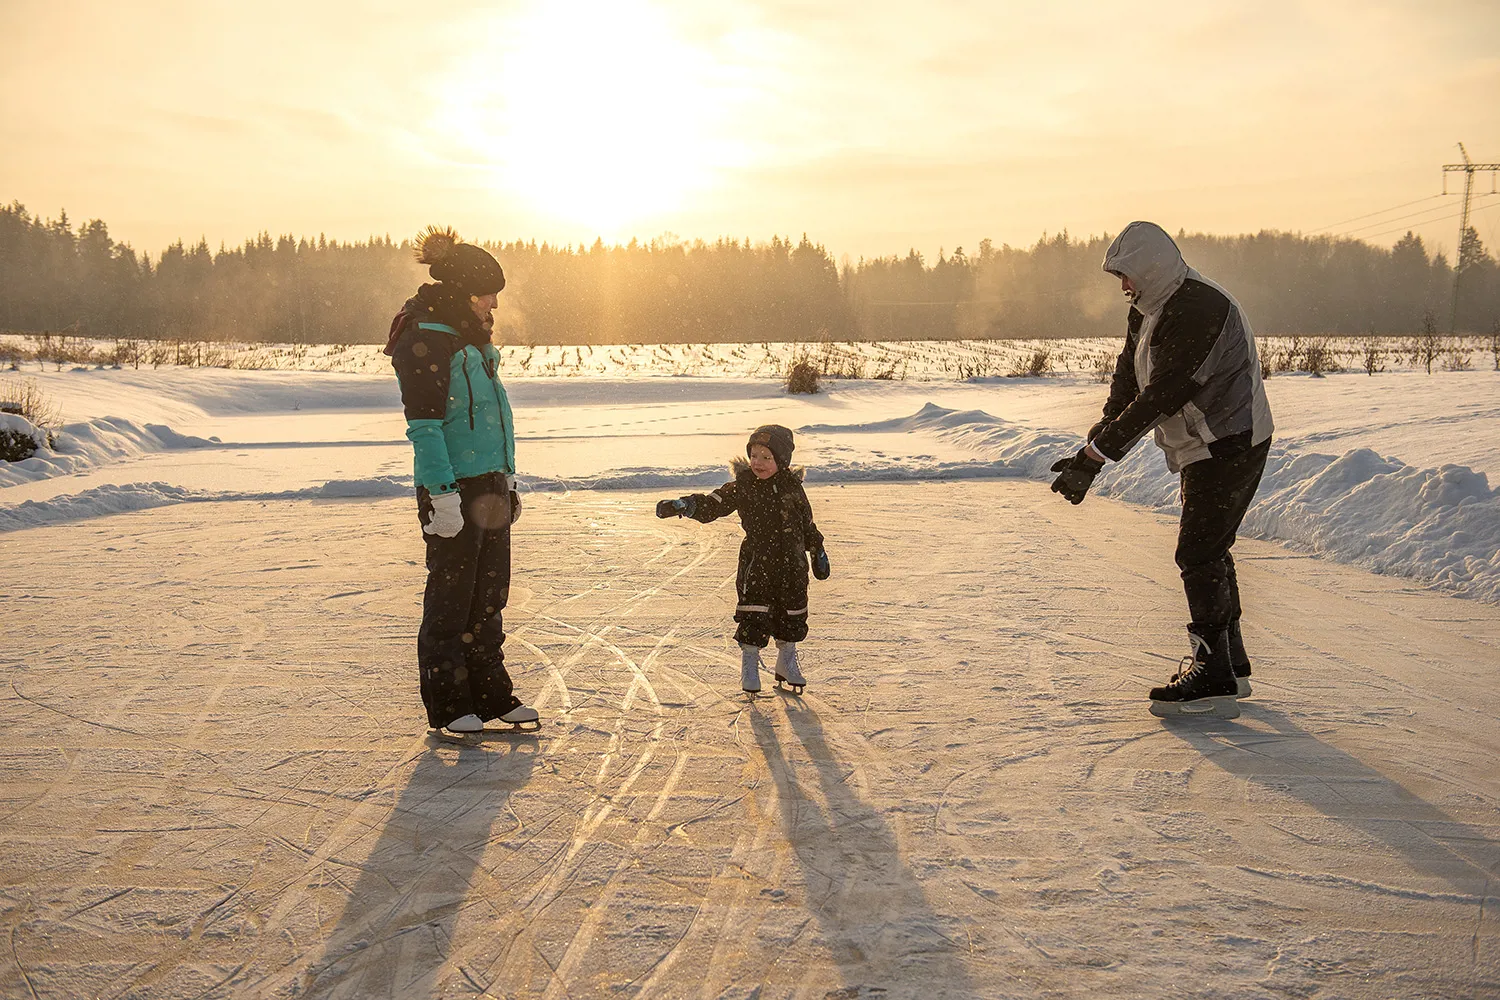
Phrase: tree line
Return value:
(55, 277)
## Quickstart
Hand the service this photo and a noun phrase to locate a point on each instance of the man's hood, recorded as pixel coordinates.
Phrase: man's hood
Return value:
(1144, 253)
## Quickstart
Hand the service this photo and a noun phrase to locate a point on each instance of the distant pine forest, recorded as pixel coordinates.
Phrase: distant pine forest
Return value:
(55, 277)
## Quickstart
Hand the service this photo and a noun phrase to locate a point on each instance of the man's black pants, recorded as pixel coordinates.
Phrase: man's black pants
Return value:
(460, 645)
(1216, 492)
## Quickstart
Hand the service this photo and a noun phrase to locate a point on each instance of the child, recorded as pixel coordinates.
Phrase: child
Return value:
(779, 535)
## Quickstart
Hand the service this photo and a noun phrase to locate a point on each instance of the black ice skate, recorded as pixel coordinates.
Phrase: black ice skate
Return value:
(1239, 659)
(1205, 683)
(1240, 666)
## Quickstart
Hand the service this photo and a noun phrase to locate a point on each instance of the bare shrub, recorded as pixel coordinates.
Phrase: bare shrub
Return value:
(126, 352)
(1374, 356)
(802, 376)
(1038, 364)
(1104, 368)
(60, 349)
(836, 363)
(1495, 343)
(21, 396)
(1286, 359)
(967, 368)
(1426, 345)
(1457, 358)
(1317, 358)
(159, 353)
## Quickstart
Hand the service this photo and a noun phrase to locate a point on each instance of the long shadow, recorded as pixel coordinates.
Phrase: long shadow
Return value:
(397, 927)
(1292, 761)
(874, 916)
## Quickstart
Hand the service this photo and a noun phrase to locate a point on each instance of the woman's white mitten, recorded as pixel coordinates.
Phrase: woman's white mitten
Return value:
(447, 515)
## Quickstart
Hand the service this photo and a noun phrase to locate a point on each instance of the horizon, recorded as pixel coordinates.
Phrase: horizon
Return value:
(620, 119)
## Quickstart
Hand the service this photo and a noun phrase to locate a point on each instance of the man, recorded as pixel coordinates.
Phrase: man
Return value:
(459, 422)
(1190, 373)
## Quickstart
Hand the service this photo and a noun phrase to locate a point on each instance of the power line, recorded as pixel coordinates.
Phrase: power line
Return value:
(1386, 222)
(1452, 214)
(1344, 222)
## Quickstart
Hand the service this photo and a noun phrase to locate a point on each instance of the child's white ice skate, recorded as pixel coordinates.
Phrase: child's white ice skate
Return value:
(750, 669)
(788, 673)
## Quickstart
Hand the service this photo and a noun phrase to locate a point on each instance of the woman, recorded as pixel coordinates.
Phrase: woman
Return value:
(459, 423)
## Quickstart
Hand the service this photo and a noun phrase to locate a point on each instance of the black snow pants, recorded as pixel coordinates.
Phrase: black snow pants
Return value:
(1216, 492)
(460, 646)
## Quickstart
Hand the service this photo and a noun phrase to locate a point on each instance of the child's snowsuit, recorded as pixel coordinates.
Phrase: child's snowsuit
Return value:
(779, 533)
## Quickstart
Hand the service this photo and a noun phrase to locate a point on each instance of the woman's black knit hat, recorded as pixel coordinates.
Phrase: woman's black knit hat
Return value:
(775, 437)
(466, 267)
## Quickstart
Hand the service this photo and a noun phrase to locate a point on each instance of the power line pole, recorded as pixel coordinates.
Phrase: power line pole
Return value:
(1469, 169)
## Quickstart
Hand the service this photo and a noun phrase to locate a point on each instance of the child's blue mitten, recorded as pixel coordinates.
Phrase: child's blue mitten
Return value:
(820, 565)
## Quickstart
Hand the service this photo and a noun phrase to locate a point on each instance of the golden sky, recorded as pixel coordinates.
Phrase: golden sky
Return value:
(873, 126)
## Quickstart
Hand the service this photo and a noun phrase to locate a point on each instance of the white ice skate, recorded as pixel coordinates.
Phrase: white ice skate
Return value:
(522, 718)
(788, 673)
(465, 724)
(749, 669)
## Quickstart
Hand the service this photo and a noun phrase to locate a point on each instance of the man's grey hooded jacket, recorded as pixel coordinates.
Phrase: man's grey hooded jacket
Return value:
(1189, 369)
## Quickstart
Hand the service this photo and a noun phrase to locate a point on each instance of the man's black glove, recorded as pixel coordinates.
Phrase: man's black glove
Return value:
(1076, 476)
(515, 506)
(820, 565)
(675, 508)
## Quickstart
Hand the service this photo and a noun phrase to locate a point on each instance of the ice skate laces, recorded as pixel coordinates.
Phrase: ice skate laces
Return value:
(1191, 662)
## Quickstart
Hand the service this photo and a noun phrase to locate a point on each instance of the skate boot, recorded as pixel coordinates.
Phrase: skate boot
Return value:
(1239, 659)
(1204, 684)
(522, 718)
(749, 669)
(465, 724)
(787, 671)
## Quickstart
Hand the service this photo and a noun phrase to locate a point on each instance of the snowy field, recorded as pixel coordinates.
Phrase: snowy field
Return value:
(217, 782)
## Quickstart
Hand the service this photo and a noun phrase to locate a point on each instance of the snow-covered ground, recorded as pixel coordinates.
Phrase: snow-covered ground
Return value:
(217, 784)
(1389, 472)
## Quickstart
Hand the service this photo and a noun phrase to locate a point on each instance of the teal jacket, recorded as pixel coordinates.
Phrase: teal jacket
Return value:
(458, 417)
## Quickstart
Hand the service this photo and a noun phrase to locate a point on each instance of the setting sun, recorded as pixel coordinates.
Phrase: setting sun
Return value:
(597, 112)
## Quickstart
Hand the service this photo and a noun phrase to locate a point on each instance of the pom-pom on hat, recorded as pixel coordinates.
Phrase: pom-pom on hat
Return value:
(775, 437)
(466, 267)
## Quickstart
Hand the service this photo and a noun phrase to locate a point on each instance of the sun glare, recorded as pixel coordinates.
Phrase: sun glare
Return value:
(597, 113)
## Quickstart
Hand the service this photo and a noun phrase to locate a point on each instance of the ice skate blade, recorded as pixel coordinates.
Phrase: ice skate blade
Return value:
(786, 685)
(1245, 690)
(1221, 706)
(535, 726)
(488, 733)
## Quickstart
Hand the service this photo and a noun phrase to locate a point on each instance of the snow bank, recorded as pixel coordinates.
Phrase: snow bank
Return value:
(80, 446)
(112, 499)
(1439, 526)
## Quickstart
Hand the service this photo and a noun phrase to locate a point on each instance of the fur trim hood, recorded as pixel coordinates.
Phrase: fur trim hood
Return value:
(739, 464)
